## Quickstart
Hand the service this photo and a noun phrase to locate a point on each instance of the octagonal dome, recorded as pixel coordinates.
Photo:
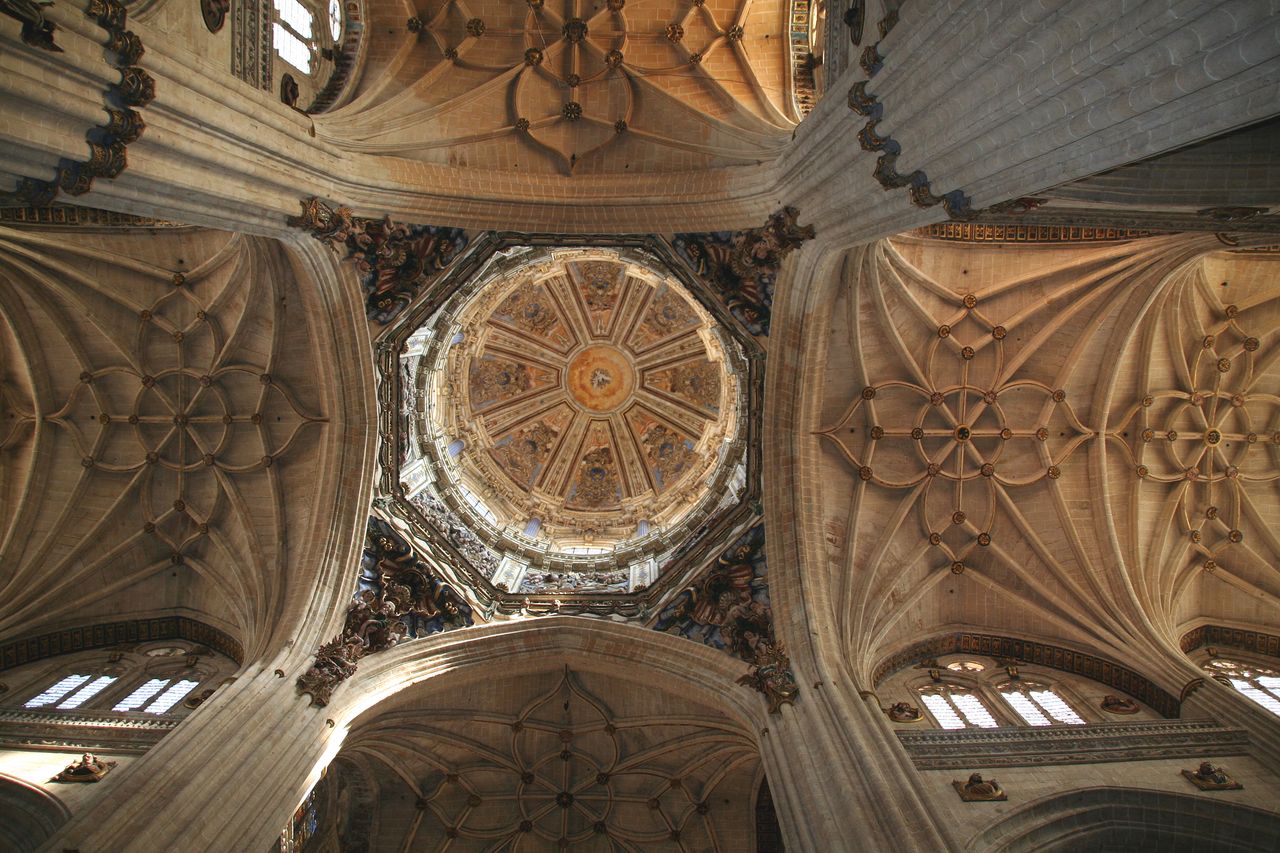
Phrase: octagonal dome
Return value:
(574, 418)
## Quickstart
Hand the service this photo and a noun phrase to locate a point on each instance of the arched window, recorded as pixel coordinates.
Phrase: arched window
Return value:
(151, 678)
(71, 691)
(1259, 683)
(294, 34)
(1038, 704)
(956, 707)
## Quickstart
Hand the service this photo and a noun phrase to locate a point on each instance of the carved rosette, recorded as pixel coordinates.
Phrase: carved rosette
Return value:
(742, 266)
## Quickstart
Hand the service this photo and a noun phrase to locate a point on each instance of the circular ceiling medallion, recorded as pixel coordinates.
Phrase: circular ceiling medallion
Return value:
(601, 378)
(584, 402)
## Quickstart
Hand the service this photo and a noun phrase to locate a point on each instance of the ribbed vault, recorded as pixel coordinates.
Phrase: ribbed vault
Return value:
(1062, 440)
(165, 414)
(566, 87)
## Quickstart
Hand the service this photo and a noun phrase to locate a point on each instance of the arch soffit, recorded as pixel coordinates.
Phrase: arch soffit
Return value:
(42, 808)
(1031, 826)
(652, 659)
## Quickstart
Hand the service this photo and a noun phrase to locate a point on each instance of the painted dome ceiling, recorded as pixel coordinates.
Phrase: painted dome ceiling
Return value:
(579, 413)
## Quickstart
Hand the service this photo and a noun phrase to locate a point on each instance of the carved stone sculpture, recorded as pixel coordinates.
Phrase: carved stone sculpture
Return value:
(742, 266)
(772, 676)
(1119, 705)
(37, 30)
(904, 712)
(1210, 777)
(399, 597)
(394, 261)
(90, 768)
(979, 790)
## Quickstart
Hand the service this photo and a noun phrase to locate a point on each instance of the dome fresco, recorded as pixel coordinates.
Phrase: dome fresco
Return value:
(573, 416)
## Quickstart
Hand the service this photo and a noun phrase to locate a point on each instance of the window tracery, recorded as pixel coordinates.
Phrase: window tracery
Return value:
(156, 678)
(967, 692)
(956, 707)
(1256, 682)
(1039, 704)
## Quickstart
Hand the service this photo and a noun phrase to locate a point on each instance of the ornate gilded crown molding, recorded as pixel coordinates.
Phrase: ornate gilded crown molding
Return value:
(728, 608)
(394, 261)
(742, 266)
(398, 597)
(107, 142)
(1043, 654)
(1022, 746)
(26, 650)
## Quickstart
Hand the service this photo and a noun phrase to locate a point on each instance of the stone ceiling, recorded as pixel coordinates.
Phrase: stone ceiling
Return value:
(1056, 440)
(542, 762)
(566, 87)
(165, 411)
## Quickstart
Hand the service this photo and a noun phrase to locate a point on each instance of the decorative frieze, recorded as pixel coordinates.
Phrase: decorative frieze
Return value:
(1235, 638)
(116, 732)
(1022, 746)
(742, 266)
(72, 216)
(81, 637)
(976, 232)
(394, 261)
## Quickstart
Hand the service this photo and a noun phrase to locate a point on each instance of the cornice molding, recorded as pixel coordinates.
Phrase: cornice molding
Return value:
(934, 749)
(129, 733)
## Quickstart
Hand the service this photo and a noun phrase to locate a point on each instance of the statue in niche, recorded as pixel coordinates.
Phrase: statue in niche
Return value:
(90, 768)
(1211, 777)
(979, 790)
(1119, 705)
(904, 712)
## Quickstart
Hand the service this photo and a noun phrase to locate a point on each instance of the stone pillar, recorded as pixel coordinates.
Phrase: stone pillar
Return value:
(839, 779)
(1003, 99)
(226, 779)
